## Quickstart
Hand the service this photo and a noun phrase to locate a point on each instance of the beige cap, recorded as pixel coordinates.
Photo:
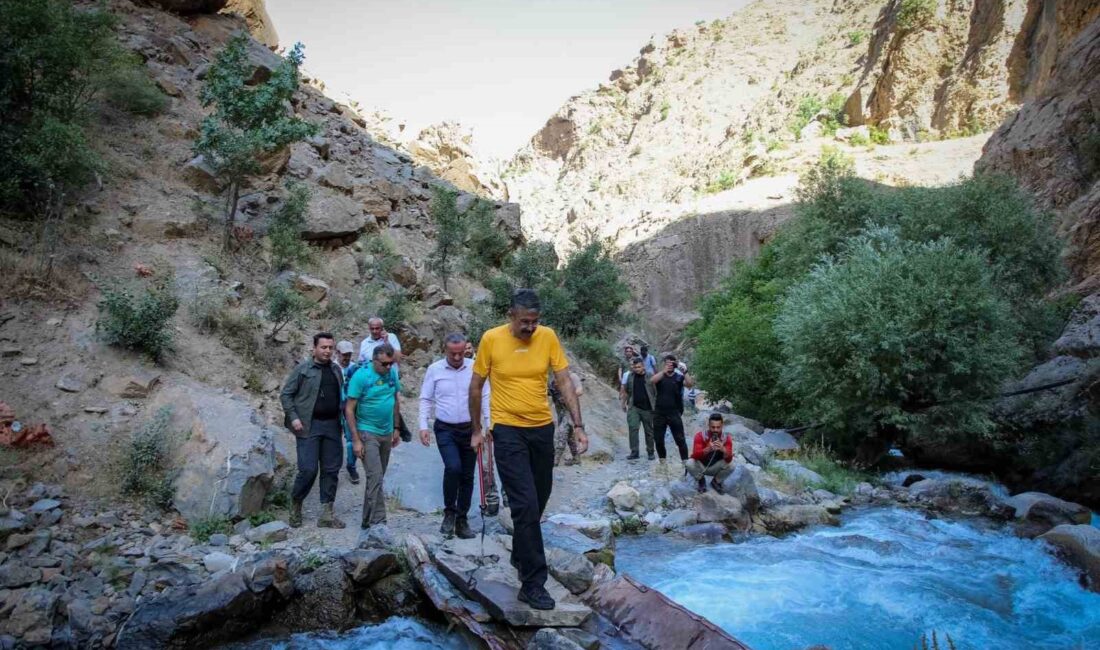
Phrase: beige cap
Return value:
(343, 347)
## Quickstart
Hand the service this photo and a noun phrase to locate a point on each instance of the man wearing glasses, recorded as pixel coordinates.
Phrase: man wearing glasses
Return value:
(372, 410)
(516, 358)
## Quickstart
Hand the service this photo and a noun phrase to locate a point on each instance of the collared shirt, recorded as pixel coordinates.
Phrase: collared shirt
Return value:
(366, 348)
(447, 389)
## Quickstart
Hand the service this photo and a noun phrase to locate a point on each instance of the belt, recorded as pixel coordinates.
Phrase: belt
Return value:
(459, 425)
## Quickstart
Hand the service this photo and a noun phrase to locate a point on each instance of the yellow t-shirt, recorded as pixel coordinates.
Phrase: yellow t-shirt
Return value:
(517, 371)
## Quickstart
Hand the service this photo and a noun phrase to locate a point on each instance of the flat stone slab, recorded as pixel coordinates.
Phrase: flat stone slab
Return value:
(497, 588)
(568, 539)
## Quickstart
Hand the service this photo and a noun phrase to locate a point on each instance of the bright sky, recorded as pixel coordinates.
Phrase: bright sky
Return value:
(500, 67)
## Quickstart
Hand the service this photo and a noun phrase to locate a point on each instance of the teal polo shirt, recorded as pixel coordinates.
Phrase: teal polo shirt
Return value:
(376, 394)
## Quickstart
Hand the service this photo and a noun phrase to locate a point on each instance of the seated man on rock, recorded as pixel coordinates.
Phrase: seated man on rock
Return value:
(711, 455)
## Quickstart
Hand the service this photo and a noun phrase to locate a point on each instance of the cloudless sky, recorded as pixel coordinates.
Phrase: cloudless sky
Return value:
(500, 67)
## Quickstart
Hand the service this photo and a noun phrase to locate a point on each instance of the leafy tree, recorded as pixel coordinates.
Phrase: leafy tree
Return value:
(896, 338)
(533, 264)
(248, 121)
(591, 280)
(284, 306)
(450, 232)
(54, 60)
(486, 245)
(288, 251)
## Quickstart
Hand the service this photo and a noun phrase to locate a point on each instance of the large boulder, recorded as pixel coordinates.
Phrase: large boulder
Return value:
(205, 614)
(1039, 512)
(722, 508)
(1080, 545)
(650, 619)
(778, 440)
(228, 460)
(793, 471)
(334, 216)
(742, 485)
(623, 496)
(787, 518)
(960, 495)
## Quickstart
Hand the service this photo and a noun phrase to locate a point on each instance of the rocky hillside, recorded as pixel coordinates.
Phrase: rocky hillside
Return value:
(750, 101)
(157, 209)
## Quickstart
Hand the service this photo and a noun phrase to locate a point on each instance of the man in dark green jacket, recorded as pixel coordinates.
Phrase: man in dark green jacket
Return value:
(639, 397)
(311, 407)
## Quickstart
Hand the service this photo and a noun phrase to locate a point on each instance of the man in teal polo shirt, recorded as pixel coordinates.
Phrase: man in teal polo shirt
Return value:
(372, 410)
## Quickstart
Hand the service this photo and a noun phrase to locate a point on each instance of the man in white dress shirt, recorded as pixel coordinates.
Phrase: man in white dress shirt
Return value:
(378, 335)
(446, 390)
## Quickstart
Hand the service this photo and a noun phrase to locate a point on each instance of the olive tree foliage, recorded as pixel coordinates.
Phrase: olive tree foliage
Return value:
(248, 121)
(896, 337)
(55, 59)
(754, 349)
(450, 233)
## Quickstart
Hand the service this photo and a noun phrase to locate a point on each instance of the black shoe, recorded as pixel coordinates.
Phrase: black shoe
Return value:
(651, 455)
(353, 475)
(448, 527)
(462, 529)
(717, 486)
(536, 597)
(702, 487)
(633, 456)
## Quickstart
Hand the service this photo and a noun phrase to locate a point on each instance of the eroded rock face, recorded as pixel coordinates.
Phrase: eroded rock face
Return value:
(228, 461)
(1048, 146)
(448, 150)
(255, 16)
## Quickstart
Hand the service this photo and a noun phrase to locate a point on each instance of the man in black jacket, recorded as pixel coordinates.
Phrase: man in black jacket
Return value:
(311, 399)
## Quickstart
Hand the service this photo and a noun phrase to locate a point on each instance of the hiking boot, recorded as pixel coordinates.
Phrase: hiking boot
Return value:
(633, 456)
(328, 519)
(353, 475)
(462, 529)
(651, 455)
(717, 486)
(702, 486)
(661, 461)
(537, 597)
(295, 518)
(448, 527)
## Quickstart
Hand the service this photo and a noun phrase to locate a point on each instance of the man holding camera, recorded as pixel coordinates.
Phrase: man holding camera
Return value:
(669, 408)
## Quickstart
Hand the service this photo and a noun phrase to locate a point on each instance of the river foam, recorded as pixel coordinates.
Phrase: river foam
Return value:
(880, 580)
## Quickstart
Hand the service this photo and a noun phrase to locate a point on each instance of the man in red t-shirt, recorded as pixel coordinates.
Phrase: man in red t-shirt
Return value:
(711, 455)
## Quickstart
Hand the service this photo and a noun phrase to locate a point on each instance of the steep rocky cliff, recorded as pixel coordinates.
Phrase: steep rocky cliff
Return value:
(156, 207)
(757, 95)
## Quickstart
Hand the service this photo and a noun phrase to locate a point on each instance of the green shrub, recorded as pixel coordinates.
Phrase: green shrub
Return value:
(288, 249)
(590, 281)
(131, 90)
(532, 265)
(285, 306)
(726, 180)
(879, 135)
(450, 232)
(139, 321)
(810, 106)
(665, 108)
(144, 466)
(598, 353)
(857, 36)
(857, 139)
(840, 478)
(915, 14)
(262, 517)
(486, 245)
(202, 529)
(397, 308)
(896, 337)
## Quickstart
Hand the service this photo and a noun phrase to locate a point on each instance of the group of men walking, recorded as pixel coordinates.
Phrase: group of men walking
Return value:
(495, 400)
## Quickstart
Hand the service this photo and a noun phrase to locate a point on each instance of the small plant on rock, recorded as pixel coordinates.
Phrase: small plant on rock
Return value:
(139, 321)
(288, 250)
(202, 529)
(144, 467)
(285, 306)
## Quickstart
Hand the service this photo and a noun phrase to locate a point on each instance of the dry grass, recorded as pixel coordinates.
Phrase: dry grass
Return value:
(24, 275)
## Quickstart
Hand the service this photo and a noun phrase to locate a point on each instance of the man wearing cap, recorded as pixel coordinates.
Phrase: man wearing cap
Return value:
(344, 352)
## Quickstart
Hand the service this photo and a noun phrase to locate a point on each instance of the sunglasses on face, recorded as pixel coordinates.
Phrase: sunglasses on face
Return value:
(385, 364)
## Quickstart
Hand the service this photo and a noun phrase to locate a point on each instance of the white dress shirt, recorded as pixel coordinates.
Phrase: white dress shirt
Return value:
(366, 348)
(447, 389)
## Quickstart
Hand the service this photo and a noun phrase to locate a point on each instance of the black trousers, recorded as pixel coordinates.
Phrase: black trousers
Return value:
(525, 461)
(323, 448)
(662, 421)
(459, 463)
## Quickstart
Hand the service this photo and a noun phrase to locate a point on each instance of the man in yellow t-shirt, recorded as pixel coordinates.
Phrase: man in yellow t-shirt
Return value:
(515, 357)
